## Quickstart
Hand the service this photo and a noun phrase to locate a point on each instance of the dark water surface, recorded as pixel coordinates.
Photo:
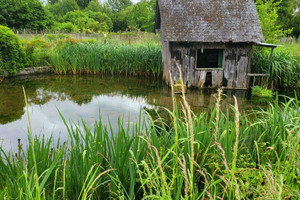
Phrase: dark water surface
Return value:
(88, 98)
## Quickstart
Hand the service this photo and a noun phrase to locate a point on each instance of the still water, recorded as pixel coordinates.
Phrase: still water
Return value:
(87, 98)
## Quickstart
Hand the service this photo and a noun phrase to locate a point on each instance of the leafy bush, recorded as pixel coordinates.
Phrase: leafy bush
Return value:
(36, 51)
(66, 27)
(12, 55)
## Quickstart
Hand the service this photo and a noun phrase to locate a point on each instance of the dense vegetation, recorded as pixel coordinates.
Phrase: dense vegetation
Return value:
(283, 67)
(78, 15)
(95, 57)
(208, 156)
(278, 17)
(133, 54)
(12, 55)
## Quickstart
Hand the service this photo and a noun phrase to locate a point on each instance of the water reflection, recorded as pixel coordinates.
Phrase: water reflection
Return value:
(88, 98)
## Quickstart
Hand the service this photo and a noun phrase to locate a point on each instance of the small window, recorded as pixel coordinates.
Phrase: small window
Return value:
(210, 58)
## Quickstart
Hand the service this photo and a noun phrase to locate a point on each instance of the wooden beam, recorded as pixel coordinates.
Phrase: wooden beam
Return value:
(258, 75)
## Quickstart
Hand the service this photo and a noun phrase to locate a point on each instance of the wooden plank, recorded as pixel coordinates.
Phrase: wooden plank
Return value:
(191, 73)
(242, 65)
(217, 78)
(258, 74)
(201, 76)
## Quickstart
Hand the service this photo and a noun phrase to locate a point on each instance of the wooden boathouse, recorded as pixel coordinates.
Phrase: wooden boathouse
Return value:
(211, 39)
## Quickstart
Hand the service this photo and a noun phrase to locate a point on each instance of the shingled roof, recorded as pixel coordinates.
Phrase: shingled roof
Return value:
(209, 21)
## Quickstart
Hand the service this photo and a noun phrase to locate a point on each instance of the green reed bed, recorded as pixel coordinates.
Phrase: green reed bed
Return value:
(284, 69)
(210, 156)
(94, 57)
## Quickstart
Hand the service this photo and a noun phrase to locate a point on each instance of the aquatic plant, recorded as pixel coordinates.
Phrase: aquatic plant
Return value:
(95, 58)
(261, 92)
(284, 68)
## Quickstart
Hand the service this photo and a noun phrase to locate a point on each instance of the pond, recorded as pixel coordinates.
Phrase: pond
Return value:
(87, 98)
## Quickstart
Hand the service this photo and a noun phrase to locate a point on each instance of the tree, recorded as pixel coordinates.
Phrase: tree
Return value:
(296, 24)
(118, 5)
(94, 6)
(78, 18)
(52, 1)
(83, 3)
(102, 18)
(144, 15)
(285, 13)
(29, 14)
(62, 7)
(268, 15)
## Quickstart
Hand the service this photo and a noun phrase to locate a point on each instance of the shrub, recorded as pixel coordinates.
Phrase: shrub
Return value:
(67, 27)
(12, 55)
(36, 51)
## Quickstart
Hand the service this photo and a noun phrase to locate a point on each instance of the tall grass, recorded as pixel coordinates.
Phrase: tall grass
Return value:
(284, 69)
(210, 156)
(107, 59)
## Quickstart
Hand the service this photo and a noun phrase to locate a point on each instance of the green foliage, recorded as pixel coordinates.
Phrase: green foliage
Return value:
(37, 52)
(29, 14)
(12, 56)
(285, 13)
(268, 16)
(102, 19)
(66, 27)
(52, 1)
(261, 92)
(94, 6)
(74, 57)
(63, 7)
(296, 24)
(284, 68)
(91, 21)
(83, 3)
(118, 5)
(138, 16)
(78, 18)
(143, 16)
(252, 156)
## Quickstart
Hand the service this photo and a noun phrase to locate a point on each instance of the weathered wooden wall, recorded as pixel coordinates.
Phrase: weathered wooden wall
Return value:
(237, 65)
(233, 74)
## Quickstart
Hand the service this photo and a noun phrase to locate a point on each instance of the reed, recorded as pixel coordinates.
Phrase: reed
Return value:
(252, 156)
(92, 58)
(284, 68)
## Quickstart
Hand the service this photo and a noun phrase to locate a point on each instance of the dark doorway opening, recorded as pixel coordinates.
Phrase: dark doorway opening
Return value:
(208, 79)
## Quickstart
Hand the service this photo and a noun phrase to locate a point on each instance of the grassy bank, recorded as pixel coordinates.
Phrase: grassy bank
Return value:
(208, 156)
